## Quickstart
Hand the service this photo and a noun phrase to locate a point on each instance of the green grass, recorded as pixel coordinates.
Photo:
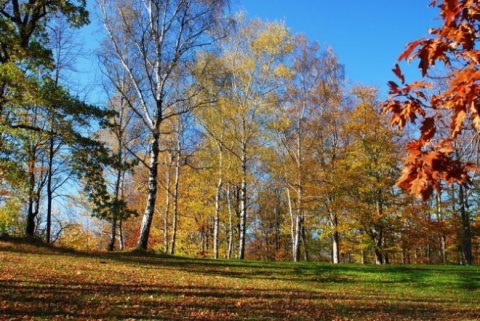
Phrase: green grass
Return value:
(44, 283)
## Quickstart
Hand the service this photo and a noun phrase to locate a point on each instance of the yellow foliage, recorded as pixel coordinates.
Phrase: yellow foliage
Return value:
(78, 238)
(282, 71)
(10, 217)
(274, 39)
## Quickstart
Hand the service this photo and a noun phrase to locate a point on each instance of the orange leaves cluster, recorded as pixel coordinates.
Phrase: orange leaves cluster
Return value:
(453, 43)
(424, 170)
(406, 103)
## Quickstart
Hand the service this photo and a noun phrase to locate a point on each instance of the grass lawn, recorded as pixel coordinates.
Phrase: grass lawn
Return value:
(42, 283)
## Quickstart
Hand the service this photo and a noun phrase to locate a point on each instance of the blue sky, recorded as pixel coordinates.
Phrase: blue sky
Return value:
(367, 35)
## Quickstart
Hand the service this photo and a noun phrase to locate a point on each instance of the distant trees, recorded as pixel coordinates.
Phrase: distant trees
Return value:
(253, 73)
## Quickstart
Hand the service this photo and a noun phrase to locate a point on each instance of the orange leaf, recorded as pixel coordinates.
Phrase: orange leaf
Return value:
(410, 47)
(457, 122)
(398, 72)
(427, 130)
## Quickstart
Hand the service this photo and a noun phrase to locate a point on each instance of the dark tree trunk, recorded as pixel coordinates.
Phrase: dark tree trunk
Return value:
(466, 230)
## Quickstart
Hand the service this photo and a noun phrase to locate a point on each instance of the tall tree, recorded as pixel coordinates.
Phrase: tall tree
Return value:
(315, 86)
(373, 159)
(161, 38)
(254, 72)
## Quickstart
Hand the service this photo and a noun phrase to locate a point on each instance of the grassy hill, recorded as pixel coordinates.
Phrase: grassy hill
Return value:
(45, 283)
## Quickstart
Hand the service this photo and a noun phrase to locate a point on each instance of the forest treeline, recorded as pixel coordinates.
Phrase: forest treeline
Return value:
(219, 137)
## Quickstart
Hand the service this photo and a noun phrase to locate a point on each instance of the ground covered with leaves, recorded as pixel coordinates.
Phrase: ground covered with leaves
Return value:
(45, 283)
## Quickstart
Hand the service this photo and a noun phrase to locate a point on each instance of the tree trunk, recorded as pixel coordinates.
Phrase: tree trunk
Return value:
(443, 238)
(335, 247)
(216, 225)
(120, 235)
(166, 224)
(277, 229)
(296, 244)
(378, 232)
(49, 189)
(378, 257)
(335, 237)
(443, 248)
(115, 215)
(31, 211)
(230, 225)
(175, 203)
(377, 237)
(120, 223)
(304, 241)
(152, 195)
(466, 231)
(292, 223)
(243, 206)
(113, 232)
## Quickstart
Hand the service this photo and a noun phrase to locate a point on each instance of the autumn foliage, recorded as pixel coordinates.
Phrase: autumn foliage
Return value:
(430, 158)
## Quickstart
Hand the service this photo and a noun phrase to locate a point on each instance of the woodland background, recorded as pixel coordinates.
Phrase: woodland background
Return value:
(224, 137)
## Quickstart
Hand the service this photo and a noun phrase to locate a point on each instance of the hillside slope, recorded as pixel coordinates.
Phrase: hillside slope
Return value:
(45, 283)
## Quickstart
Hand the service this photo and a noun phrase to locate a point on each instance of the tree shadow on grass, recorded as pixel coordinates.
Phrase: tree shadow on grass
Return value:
(466, 278)
(67, 299)
(166, 299)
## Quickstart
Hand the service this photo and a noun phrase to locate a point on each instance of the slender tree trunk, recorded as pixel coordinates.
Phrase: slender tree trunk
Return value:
(292, 223)
(216, 225)
(115, 215)
(296, 246)
(299, 211)
(443, 239)
(443, 248)
(120, 235)
(230, 225)
(378, 233)
(466, 231)
(166, 224)
(378, 252)
(243, 206)
(335, 237)
(277, 229)
(335, 247)
(49, 188)
(175, 202)
(31, 212)
(304, 241)
(120, 223)
(298, 224)
(152, 194)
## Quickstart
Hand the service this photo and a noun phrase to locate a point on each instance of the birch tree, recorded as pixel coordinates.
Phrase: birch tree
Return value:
(162, 38)
(252, 57)
(315, 86)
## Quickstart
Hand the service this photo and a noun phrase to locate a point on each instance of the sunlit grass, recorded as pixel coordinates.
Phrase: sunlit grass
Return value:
(42, 283)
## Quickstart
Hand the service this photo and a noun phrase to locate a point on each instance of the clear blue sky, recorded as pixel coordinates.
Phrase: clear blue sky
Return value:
(367, 35)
